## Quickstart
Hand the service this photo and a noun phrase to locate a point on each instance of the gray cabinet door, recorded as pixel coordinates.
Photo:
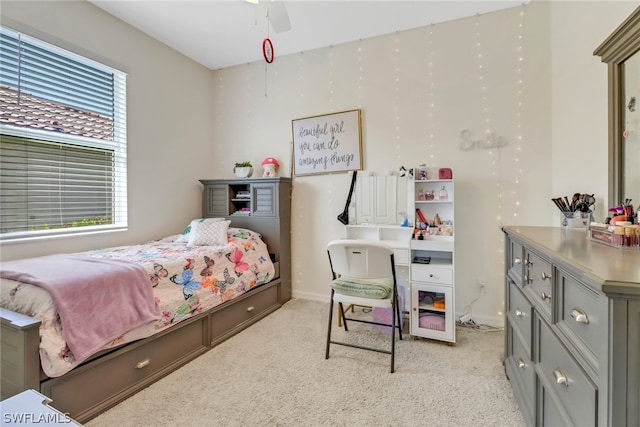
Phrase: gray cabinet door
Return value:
(633, 370)
(264, 197)
(625, 368)
(215, 200)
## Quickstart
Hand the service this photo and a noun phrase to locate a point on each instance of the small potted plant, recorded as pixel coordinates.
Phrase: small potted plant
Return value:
(243, 169)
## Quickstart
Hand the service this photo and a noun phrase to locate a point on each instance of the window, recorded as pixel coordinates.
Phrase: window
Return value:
(62, 141)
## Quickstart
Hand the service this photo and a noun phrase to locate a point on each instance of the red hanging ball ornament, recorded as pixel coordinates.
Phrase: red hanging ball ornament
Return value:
(267, 50)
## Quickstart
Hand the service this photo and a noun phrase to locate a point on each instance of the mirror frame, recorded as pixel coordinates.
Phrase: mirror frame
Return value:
(617, 48)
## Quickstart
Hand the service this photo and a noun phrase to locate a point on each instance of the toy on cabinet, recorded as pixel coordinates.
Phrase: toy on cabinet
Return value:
(270, 166)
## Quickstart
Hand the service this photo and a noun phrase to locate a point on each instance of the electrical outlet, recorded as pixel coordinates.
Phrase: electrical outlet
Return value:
(465, 318)
(481, 286)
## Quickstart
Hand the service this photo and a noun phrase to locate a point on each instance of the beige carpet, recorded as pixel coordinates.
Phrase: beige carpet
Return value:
(275, 374)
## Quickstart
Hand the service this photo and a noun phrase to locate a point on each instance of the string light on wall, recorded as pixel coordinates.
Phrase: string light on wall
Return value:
(431, 102)
(489, 135)
(396, 95)
(301, 74)
(360, 82)
(519, 80)
(299, 217)
(220, 98)
(248, 93)
(331, 72)
(220, 115)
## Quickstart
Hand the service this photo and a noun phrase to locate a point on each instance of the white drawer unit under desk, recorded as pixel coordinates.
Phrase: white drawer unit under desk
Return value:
(432, 288)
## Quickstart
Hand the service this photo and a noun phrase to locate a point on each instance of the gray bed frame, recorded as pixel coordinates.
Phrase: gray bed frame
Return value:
(113, 375)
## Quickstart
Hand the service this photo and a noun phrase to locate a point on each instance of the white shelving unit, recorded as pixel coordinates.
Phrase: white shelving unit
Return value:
(432, 284)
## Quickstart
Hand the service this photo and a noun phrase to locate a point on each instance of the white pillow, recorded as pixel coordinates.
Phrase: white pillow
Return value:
(208, 233)
(184, 236)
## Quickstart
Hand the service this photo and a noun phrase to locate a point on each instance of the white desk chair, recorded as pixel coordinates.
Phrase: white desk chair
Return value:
(364, 275)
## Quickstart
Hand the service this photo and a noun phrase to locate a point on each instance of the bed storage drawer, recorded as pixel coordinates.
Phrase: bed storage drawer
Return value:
(248, 308)
(128, 369)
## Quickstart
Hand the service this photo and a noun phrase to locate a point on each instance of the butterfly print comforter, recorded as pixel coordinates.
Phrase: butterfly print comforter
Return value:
(186, 281)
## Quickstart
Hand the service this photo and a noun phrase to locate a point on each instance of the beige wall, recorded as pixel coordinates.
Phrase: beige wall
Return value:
(418, 90)
(168, 113)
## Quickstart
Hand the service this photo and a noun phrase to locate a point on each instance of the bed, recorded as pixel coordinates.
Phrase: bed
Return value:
(204, 294)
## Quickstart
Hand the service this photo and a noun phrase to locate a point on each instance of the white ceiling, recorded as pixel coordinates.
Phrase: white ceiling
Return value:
(223, 33)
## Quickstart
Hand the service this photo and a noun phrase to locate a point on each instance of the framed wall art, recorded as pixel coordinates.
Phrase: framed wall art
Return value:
(327, 143)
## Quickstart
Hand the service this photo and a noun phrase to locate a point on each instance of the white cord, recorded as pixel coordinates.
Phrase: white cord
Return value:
(468, 322)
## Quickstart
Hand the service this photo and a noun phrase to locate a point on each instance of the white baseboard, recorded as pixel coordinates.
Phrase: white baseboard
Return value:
(311, 296)
(494, 321)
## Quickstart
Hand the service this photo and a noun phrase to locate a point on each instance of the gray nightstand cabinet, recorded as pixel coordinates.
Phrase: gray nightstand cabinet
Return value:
(572, 328)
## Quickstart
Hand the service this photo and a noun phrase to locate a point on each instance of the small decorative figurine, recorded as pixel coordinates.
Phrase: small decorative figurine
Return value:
(270, 166)
(422, 172)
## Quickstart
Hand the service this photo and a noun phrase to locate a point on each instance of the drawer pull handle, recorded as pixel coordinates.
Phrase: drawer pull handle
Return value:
(527, 279)
(561, 378)
(521, 364)
(580, 316)
(545, 296)
(143, 364)
(545, 276)
(431, 275)
(517, 260)
(529, 262)
(250, 309)
(519, 312)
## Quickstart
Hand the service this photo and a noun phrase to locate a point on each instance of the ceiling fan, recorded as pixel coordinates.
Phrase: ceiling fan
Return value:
(276, 13)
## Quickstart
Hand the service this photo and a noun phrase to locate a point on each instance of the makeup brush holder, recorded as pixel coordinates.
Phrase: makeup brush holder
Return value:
(576, 219)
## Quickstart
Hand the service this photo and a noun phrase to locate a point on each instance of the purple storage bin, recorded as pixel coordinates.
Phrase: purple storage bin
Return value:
(432, 321)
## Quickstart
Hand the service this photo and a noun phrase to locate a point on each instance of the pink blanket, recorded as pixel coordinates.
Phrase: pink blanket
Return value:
(98, 300)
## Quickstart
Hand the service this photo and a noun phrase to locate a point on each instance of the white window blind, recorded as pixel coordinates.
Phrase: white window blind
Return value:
(62, 141)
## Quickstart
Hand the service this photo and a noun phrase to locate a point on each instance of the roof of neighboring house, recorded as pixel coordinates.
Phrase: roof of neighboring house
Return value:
(19, 109)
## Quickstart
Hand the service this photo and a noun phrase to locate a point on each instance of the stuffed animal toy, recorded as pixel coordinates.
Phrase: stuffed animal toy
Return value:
(270, 166)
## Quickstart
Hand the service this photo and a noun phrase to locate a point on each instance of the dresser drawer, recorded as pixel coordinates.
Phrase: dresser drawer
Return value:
(538, 278)
(522, 374)
(565, 379)
(520, 315)
(515, 265)
(248, 308)
(581, 317)
(551, 413)
(432, 274)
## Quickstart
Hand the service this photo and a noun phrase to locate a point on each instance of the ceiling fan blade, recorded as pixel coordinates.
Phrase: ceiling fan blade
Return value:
(278, 16)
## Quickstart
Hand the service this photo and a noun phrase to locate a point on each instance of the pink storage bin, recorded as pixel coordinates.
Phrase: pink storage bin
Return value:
(432, 321)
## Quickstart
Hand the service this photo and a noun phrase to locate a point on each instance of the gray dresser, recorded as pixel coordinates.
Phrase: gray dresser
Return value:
(572, 328)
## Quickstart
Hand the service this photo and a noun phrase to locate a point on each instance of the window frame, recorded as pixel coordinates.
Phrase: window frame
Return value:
(118, 144)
